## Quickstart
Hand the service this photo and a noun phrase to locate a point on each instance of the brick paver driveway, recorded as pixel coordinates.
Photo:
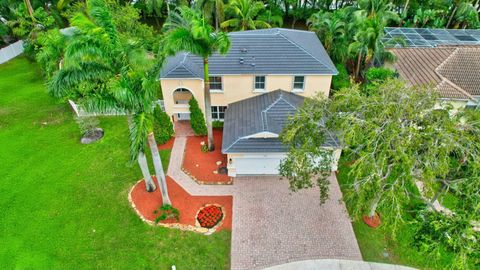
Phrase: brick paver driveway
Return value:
(273, 226)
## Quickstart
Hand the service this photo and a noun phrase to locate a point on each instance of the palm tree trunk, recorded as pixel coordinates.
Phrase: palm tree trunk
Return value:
(359, 62)
(30, 9)
(142, 162)
(451, 16)
(374, 205)
(157, 163)
(208, 105)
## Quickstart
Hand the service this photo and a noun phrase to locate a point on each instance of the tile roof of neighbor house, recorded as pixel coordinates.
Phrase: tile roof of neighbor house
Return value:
(264, 113)
(267, 51)
(453, 71)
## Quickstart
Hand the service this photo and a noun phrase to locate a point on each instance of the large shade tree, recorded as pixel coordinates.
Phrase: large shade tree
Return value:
(188, 30)
(104, 73)
(395, 137)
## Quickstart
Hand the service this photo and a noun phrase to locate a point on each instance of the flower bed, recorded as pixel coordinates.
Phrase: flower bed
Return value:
(210, 216)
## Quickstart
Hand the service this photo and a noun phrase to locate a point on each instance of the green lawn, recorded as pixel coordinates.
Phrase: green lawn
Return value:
(63, 205)
(378, 245)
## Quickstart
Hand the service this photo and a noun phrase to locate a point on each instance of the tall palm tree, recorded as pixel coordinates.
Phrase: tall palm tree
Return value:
(332, 31)
(103, 73)
(212, 10)
(244, 15)
(188, 30)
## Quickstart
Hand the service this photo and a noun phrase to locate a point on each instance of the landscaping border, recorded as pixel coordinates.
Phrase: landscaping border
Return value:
(179, 226)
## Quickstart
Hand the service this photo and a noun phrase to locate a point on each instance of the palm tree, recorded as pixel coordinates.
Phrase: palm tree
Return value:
(188, 30)
(244, 15)
(212, 9)
(103, 74)
(332, 31)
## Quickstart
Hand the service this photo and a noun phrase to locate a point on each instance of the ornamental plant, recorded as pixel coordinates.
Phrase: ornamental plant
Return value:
(197, 120)
(165, 212)
(209, 216)
(162, 126)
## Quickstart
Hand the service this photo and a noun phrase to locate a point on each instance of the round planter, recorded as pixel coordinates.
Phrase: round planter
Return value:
(215, 226)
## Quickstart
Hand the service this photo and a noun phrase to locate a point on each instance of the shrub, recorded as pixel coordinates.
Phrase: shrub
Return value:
(217, 124)
(375, 76)
(162, 127)
(197, 120)
(342, 79)
(379, 74)
(166, 212)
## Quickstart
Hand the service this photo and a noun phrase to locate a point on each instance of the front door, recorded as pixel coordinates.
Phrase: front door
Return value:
(183, 116)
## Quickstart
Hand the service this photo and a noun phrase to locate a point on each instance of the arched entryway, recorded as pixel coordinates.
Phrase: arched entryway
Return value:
(181, 97)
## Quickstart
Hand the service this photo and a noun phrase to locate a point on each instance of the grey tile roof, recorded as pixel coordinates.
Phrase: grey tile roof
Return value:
(264, 113)
(268, 51)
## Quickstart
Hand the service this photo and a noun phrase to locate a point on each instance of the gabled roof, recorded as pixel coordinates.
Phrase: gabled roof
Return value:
(453, 71)
(253, 124)
(267, 51)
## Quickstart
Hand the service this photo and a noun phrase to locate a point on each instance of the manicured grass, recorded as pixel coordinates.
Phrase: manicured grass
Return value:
(63, 205)
(378, 245)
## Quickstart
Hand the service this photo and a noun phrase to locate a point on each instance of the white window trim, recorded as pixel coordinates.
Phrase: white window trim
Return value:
(217, 90)
(260, 90)
(218, 113)
(298, 90)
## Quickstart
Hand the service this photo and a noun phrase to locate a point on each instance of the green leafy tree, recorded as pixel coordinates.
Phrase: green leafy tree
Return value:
(188, 30)
(244, 15)
(394, 137)
(213, 10)
(342, 79)
(197, 121)
(162, 126)
(50, 51)
(331, 28)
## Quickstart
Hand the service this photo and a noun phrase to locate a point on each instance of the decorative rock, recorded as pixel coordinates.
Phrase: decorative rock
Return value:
(219, 163)
(92, 136)
(202, 143)
(196, 165)
(215, 172)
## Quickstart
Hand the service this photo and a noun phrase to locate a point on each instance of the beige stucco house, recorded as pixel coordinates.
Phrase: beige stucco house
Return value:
(258, 62)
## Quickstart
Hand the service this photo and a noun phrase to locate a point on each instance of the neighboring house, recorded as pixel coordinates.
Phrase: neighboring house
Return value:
(448, 60)
(250, 134)
(258, 63)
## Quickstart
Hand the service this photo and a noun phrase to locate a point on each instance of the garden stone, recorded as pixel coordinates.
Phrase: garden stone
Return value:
(92, 136)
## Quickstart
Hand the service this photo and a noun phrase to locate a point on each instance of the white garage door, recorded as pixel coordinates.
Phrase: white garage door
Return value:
(266, 165)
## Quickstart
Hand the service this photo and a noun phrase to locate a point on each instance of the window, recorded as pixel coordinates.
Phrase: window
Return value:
(215, 83)
(218, 112)
(259, 83)
(298, 83)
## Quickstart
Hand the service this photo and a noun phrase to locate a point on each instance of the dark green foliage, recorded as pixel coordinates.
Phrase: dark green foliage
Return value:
(379, 74)
(217, 124)
(342, 80)
(166, 212)
(197, 120)
(162, 126)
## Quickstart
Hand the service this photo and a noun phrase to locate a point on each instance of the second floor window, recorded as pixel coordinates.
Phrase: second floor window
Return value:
(259, 83)
(215, 83)
(298, 83)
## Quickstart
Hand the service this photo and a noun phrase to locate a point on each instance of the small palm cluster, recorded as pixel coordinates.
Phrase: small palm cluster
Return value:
(209, 216)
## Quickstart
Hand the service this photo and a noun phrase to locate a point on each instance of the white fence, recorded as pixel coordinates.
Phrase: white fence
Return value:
(11, 51)
(80, 112)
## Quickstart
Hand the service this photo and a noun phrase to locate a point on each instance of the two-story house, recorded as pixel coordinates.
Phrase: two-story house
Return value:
(258, 63)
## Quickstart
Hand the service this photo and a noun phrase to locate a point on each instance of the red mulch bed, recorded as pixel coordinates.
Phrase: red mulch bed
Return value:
(168, 145)
(186, 204)
(372, 222)
(200, 165)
